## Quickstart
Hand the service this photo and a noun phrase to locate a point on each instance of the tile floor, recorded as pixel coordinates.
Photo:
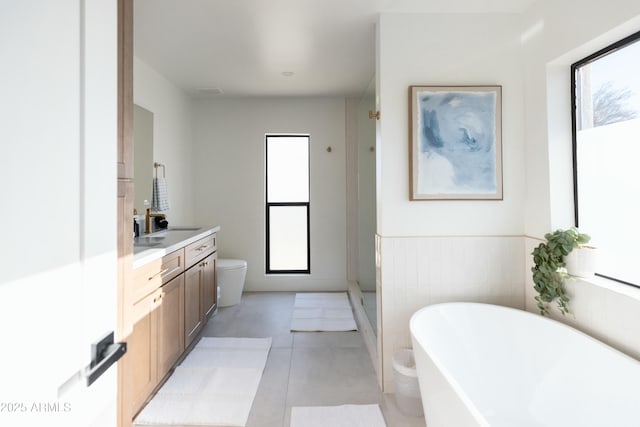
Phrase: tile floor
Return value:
(303, 368)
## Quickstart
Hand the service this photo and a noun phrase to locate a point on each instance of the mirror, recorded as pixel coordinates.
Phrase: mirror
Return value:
(142, 157)
(367, 202)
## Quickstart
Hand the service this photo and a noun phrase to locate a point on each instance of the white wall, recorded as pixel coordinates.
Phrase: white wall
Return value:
(172, 137)
(229, 182)
(446, 49)
(558, 34)
(436, 251)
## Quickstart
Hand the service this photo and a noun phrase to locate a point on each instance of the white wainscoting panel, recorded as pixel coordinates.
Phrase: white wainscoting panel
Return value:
(418, 271)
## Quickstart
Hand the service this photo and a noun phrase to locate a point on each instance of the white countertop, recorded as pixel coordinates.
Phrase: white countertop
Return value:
(149, 247)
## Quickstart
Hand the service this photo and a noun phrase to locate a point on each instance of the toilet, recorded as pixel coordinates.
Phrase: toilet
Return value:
(230, 276)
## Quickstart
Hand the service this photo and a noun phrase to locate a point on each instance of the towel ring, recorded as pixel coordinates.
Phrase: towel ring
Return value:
(157, 165)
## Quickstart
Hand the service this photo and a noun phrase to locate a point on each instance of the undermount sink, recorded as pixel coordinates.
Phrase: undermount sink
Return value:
(139, 247)
(145, 240)
(183, 228)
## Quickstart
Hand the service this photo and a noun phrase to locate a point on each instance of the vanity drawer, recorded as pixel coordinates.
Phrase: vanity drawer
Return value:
(154, 274)
(172, 265)
(199, 249)
(146, 279)
(146, 305)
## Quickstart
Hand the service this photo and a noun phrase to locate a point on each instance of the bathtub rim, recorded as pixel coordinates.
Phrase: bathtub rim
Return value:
(446, 372)
(524, 313)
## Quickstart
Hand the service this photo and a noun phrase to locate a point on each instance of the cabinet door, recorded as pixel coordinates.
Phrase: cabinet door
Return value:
(193, 279)
(170, 325)
(141, 362)
(209, 293)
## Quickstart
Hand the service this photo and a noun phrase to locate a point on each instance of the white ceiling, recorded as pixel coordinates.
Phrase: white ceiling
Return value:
(244, 46)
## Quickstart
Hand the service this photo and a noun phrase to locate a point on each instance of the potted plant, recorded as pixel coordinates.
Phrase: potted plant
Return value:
(582, 261)
(549, 271)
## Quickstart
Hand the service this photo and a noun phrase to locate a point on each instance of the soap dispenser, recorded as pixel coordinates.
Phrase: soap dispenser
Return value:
(136, 226)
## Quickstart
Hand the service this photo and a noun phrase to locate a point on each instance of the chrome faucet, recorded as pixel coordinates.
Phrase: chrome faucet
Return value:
(147, 220)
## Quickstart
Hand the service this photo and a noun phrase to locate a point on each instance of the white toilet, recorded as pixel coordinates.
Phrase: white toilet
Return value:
(230, 275)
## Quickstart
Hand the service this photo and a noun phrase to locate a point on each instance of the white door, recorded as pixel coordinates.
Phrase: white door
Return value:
(58, 281)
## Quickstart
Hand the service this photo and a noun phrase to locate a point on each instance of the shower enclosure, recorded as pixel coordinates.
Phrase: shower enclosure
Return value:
(366, 131)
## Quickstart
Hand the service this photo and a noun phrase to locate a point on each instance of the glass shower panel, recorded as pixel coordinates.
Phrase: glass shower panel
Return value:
(367, 202)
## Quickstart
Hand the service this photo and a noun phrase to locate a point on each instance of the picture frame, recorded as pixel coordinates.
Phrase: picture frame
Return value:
(455, 138)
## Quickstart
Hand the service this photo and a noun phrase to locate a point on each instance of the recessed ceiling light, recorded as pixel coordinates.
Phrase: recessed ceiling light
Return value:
(288, 73)
(210, 91)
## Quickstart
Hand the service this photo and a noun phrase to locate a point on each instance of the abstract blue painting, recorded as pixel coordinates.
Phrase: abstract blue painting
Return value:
(456, 148)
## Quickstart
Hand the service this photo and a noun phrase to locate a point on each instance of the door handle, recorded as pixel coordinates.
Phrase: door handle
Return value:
(104, 353)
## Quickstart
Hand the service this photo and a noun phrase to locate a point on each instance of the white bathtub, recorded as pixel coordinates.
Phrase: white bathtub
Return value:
(486, 365)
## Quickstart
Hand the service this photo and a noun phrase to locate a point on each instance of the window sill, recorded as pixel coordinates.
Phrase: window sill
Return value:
(612, 286)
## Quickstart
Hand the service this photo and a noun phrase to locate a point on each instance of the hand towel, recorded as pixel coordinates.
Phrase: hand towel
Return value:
(160, 196)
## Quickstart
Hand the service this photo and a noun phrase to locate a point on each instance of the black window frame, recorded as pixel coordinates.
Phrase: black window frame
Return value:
(268, 206)
(575, 99)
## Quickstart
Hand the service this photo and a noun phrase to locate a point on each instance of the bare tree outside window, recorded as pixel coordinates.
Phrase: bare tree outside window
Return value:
(611, 105)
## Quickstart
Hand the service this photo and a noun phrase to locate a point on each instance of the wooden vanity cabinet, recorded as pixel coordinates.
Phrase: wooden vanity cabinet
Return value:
(199, 296)
(193, 281)
(172, 265)
(146, 281)
(199, 286)
(209, 291)
(199, 249)
(140, 361)
(156, 341)
(170, 321)
(171, 298)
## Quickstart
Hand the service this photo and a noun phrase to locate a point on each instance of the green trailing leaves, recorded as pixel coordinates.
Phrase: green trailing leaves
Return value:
(548, 270)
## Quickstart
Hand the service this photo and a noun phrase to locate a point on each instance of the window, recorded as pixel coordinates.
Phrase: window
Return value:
(606, 153)
(287, 204)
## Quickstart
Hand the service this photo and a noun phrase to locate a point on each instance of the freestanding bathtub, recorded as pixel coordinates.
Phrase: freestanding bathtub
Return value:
(487, 365)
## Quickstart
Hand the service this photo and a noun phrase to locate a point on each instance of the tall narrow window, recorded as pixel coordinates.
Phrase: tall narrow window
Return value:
(606, 125)
(287, 204)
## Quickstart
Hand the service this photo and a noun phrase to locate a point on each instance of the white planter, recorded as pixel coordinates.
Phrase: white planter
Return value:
(582, 262)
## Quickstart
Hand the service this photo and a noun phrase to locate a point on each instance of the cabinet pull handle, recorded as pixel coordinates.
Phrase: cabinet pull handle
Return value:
(172, 270)
(159, 273)
(158, 298)
(202, 248)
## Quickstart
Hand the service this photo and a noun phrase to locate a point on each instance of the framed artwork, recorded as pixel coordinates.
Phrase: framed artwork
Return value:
(455, 135)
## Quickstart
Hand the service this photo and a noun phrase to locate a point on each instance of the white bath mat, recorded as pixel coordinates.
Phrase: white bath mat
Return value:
(322, 312)
(337, 416)
(214, 386)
